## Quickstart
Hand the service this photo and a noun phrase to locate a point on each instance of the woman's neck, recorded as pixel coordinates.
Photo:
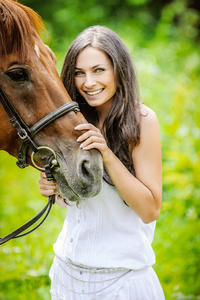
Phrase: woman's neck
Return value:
(102, 112)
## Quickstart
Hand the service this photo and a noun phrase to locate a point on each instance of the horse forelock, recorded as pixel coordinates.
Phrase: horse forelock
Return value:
(19, 25)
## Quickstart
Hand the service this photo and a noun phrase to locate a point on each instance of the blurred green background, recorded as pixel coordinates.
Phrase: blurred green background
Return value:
(163, 38)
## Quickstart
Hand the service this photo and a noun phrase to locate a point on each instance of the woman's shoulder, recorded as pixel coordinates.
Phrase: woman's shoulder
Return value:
(147, 112)
(150, 129)
(148, 116)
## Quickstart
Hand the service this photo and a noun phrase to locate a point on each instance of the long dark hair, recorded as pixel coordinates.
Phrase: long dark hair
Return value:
(122, 126)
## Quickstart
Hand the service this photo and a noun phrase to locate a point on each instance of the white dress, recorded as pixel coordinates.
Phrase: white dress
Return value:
(104, 252)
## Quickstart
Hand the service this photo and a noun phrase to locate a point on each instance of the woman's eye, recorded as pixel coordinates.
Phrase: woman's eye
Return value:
(79, 73)
(17, 74)
(99, 70)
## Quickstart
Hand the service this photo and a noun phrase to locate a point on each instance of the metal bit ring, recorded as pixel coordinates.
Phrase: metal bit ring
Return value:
(54, 161)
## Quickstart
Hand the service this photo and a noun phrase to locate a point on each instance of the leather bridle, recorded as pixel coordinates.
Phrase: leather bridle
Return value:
(27, 134)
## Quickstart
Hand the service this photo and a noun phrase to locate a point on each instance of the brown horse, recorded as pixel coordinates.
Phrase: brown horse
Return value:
(29, 78)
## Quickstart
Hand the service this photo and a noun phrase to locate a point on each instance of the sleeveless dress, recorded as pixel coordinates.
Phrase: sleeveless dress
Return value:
(104, 252)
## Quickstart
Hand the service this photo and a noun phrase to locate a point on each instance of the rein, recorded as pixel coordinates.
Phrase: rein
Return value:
(27, 134)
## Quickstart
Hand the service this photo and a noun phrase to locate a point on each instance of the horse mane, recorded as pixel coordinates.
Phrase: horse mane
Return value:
(19, 25)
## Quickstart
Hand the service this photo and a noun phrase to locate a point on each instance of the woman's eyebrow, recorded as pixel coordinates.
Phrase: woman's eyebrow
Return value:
(93, 67)
(98, 66)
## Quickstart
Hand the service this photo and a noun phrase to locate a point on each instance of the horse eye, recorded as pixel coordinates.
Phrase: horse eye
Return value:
(17, 74)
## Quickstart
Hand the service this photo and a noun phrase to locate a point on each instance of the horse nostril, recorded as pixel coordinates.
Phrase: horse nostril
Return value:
(85, 168)
(85, 173)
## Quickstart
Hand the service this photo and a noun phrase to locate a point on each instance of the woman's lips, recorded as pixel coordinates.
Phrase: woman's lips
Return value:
(94, 92)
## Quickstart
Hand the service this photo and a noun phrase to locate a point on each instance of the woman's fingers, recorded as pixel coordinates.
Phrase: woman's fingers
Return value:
(92, 138)
(44, 182)
(86, 126)
(47, 188)
(89, 137)
(87, 134)
(99, 141)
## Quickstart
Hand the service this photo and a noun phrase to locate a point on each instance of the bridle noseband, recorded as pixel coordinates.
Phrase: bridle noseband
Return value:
(27, 134)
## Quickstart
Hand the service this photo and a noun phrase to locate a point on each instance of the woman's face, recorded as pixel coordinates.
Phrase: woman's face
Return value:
(94, 77)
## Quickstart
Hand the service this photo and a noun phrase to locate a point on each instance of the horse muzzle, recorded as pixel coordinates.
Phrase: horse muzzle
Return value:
(78, 173)
(79, 176)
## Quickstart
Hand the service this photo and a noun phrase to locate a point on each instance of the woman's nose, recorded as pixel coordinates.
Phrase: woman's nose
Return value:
(89, 81)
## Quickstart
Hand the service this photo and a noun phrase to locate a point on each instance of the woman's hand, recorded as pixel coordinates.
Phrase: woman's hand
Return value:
(47, 188)
(92, 138)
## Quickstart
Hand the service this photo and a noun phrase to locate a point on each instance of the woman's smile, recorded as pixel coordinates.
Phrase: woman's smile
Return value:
(94, 93)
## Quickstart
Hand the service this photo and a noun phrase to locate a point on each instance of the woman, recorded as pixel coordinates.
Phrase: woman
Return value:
(104, 249)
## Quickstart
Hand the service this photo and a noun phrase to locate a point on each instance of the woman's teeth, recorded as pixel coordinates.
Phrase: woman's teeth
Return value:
(95, 92)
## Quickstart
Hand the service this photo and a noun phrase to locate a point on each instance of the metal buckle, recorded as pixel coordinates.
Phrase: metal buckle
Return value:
(24, 136)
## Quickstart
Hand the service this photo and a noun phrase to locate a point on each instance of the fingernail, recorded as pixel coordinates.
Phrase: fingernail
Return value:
(81, 145)
(78, 139)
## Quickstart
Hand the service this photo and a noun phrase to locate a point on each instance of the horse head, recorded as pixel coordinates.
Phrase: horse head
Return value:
(29, 78)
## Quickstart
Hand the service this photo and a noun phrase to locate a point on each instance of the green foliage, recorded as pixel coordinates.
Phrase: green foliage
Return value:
(163, 39)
